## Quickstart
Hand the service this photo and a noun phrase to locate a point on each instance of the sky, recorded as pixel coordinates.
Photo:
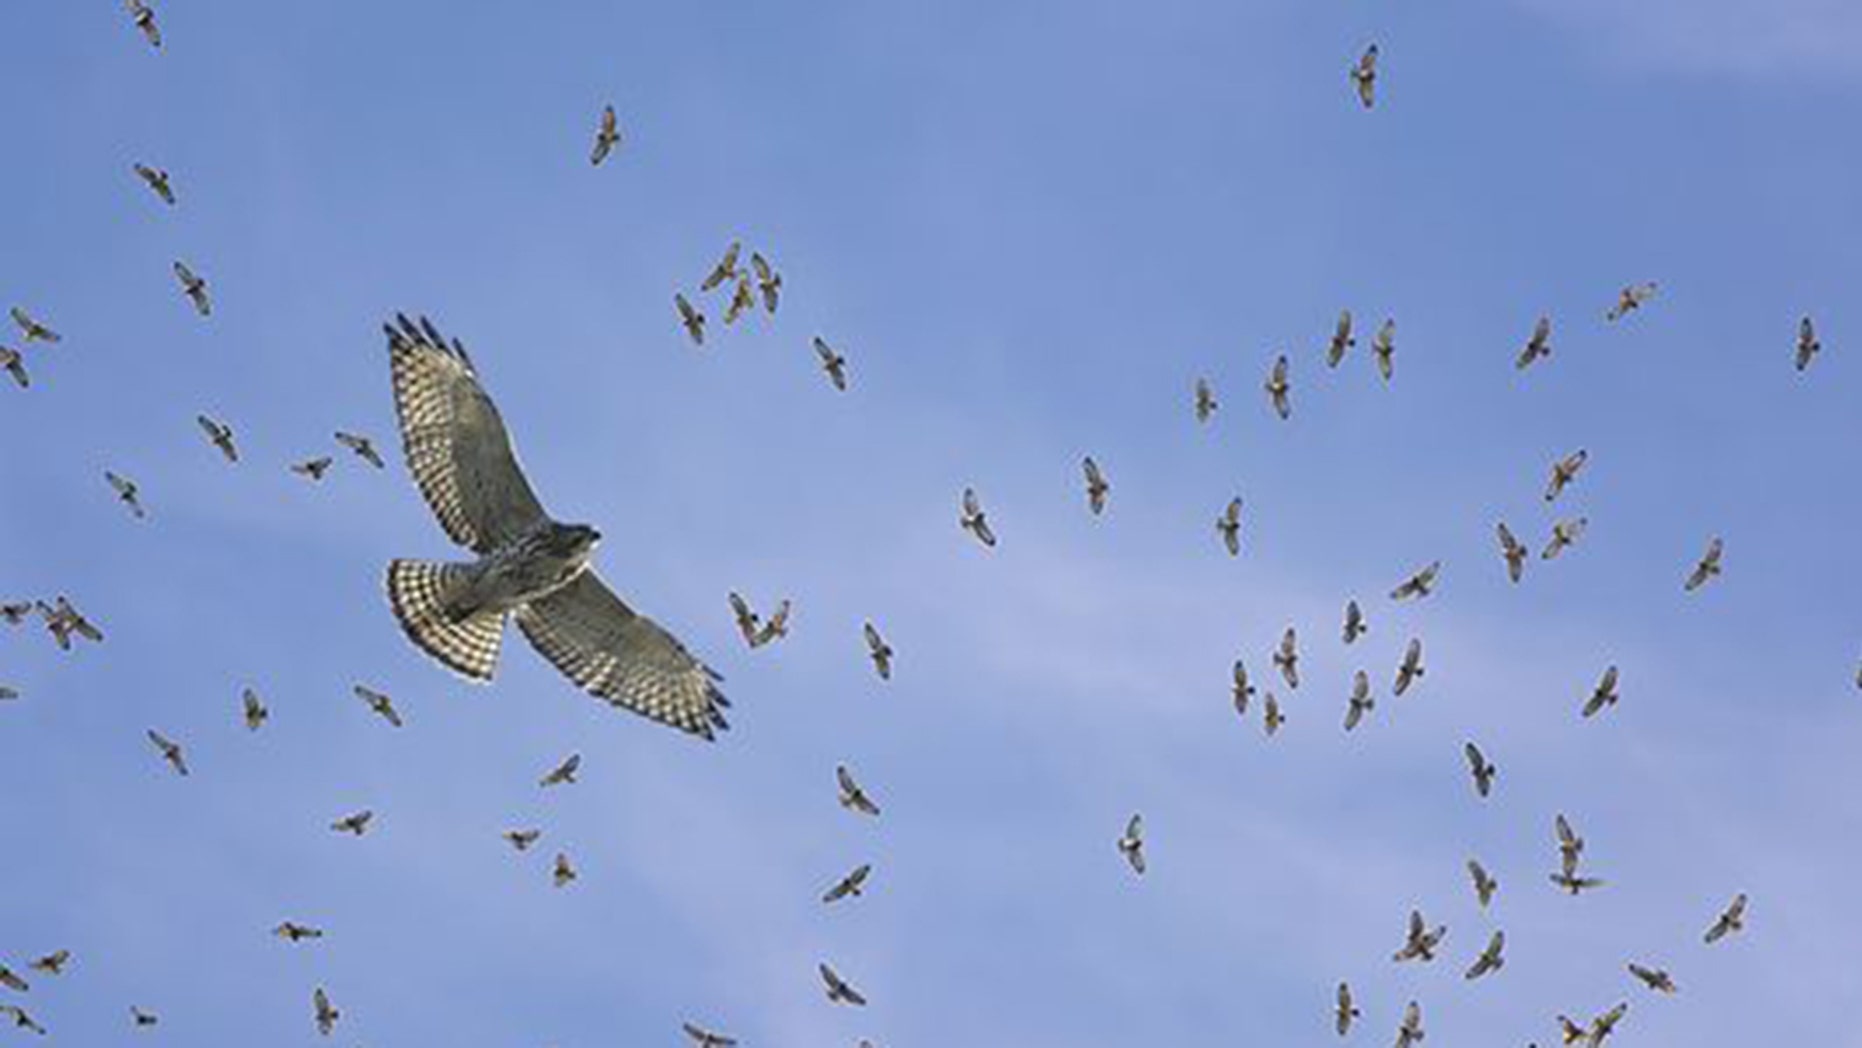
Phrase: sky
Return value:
(1030, 228)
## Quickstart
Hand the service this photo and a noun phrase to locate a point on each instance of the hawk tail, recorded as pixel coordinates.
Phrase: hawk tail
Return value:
(420, 592)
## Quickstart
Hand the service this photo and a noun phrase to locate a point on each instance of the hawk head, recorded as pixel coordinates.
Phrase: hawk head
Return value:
(574, 542)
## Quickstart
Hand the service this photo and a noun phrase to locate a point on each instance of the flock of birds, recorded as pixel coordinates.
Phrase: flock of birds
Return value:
(535, 570)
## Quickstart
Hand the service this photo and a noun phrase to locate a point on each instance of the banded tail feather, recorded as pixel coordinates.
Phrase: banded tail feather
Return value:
(420, 592)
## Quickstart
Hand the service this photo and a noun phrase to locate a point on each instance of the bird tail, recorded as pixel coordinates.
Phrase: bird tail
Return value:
(422, 593)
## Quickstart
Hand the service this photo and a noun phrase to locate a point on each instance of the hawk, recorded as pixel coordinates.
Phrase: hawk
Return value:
(528, 566)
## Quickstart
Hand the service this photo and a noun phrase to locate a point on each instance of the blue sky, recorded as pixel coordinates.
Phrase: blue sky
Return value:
(1030, 228)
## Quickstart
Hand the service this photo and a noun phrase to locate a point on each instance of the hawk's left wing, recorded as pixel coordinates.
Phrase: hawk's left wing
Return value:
(626, 658)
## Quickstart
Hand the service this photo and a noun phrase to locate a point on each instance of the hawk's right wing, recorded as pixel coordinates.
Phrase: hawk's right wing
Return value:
(457, 448)
(623, 657)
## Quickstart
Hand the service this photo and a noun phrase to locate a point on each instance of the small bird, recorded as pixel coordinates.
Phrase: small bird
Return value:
(1604, 694)
(52, 963)
(12, 981)
(852, 884)
(1287, 658)
(362, 446)
(1539, 345)
(1383, 347)
(562, 773)
(1480, 768)
(1573, 884)
(170, 751)
(1341, 340)
(562, 872)
(1364, 75)
(1732, 919)
(1420, 942)
(1570, 845)
(1205, 401)
(194, 287)
(8, 694)
(33, 331)
(1564, 534)
(749, 623)
(1228, 525)
(157, 180)
(839, 990)
(742, 301)
(291, 931)
(1630, 299)
(1807, 344)
(15, 364)
(879, 651)
(768, 281)
(1654, 978)
(380, 703)
(1354, 622)
(127, 493)
(355, 825)
(1346, 1011)
(692, 319)
(1602, 1026)
(1096, 486)
(1484, 883)
(138, 1017)
(522, 839)
(254, 709)
(324, 1012)
(313, 469)
(1511, 549)
(776, 627)
(221, 435)
(725, 270)
(1708, 566)
(852, 797)
(833, 363)
(1564, 471)
(1131, 845)
(1411, 1031)
(974, 521)
(64, 620)
(1420, 584)
(1360, 702)
(1271, 717)
(1241, 689)
(1490, 959)
(144, 18)
(15, 613)
(21, 1019)
(1278, 388)
(607, 136)
(1410, 668)
(703, 1038)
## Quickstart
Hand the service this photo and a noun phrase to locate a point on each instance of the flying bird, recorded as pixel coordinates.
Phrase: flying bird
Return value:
(839, 990)
(170, 751)
(1708, 567)
(562, 773)
(221, 435)
(528, 565)
(194, 287)
(1364, 76)
(1484, 883)
(1278, 388)
(15, 364)
(1421, 584)
(291, 931)
(1732, 919)
(1654, 978)
(725, 270)
(749, 623)
(1490, 959)
(362, 446)
(1228, 525)
(1570, 845)
(562, 871)
(33, 331)
(768, 281)
(703, 1038)
(1630, 299)
(355, 825)
(1564, 534)
(1420, 941)
(312, 469)
(1346, 1011)
(138, 1017)
(1271, 717)
(144, 18)
(1383, 347)
(1410, 668)
(1564, 471)
(63, 620)
(1807, 344)
(607, 136)
(852, 797)
(1360, 702)
(126, 492)
(253, 709)
(1604, 694)
(15, 612)
(381, 704)
(1539, 345)
(1354, 622)
(974, 521)
(324, 1012)
(1287, 658)
(21, 1019)
(522, 839)
(1205, 401)
(1241, 690)
(1342, 340)
(1573, 884)
(852, 884)
(833, 363)
(692, 319)
(52, 963)
(1602, 1026)
(1411, 1030)
(1512, 550)
(11, 980)
(776, 627)
(157, 180)
(742, 301)
(1096, 486)
(879, 651)
(1131, 845)
(1480, 768)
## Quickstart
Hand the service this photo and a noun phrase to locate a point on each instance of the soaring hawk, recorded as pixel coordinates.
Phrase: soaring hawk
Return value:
(528, 565)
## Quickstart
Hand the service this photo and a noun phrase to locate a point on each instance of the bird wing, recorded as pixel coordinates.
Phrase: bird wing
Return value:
(601, 644)
(456, 444)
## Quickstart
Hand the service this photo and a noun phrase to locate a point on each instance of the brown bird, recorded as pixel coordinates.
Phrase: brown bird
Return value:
(1228, 525)
(1539, 345)
(144, 18)
(522, 839)
(52, 963)
(1490, 959)
(33, 331)
(12, 981)
(1420, 584)
(1573, 884)
(127, 493)
(607, 136)
(382, 705)
(355, 825)
(562, 773)
(1278, 389)
(21, 1019)
(1732, 919)
(138, 1017)
(742, 301)
(879, 651)
(194, 287)
(1511, 549)
(749, 623)
(1131, 845)
(1205, 401)
(63, 620)
(170, 751)
(852, 797)
(1241, 690)
(974, 521)
(1602, 1026)
(1564, 534)
(254, 709)
(362, 446)
(1807, 344)
(221, 435)
(561, 873)
(1383, 347)
(1564, 471)
(1630, 299)
(776, 627)
(291, 931)
(1420, 942)
(15, 364)
(1410, 668)
(768, 281)
(1480, 768)
(703, 1038)
(1360, 702)
(1271, 717)
(157, 180)
(1341, 340)
(1364, 76)
(839, 990)
(313, 469)
(324, 1012)
(833, 363)
(1096, 486)
(692, 319)
(1287, 658)
(725, 270)
(1346, 1011)
(1708, 566)
(1654, 978)
(852, 884)
(1484, 883)
(1604, 694)
(1354, 622)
